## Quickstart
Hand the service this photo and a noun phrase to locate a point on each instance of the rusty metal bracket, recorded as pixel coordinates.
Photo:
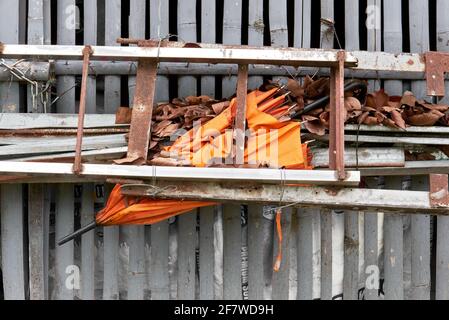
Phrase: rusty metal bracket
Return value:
(437, 64)
(140, 129)
(77, 167)
(336, 126)
(439, 196)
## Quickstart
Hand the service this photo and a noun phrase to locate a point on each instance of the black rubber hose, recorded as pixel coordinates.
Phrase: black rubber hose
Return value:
(321, 102)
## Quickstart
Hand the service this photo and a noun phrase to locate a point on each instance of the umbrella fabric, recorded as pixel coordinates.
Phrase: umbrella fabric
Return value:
(121, 209)
(270, 143)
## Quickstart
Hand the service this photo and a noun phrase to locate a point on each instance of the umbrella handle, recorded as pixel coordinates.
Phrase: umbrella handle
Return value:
(78, 232)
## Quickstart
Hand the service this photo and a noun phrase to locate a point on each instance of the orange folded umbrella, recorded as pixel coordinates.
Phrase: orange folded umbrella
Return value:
(270, 143)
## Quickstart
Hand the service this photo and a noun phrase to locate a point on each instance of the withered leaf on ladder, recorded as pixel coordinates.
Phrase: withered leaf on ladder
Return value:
(397, 118)
(127, 160)
(438, 107)
(408, 99)
(377, 99)
(324, 118)
(314, 125)
(425, 119)
(353, 108)
(317, 88)
(220, 106)
(295, 88)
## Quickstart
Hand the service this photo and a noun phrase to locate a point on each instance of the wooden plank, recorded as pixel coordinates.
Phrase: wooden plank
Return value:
(111, 102)
(216, 53)
(208, 9)
(173, 257)
(255, 34)
(442, 244)
(393, 246)
(392, 39)
(244, 251)
(277, 11)
(371, 247)
(12, 242)
(206, 242)
(187, 85)
(328, 231)
(35, 36)
(305, 253)
(47, 21)
(302, 24)
(393, 224)
(136, 268)
(255, 252)
(87, 244)
(218, 252)
(338, 257)
(66, 35)
(266, 176)
(34, 121)
(159, 282)
(232, 286)
(306, 216)
(111, 257)
(9, 33)
(327, 34)
(186, 255)
(374, 35)
(326, 254)
(293, 250)
(351, 256)
(281, 277)
(442, 260)
(134, 236)
(352, 41)
(267, 244)
(61, 145)
(136, 31)
(420, 233)
(419, 37)
(390, 139)
(232, 19)
(64, 255)
(112, 32)
(38, 229)
(87, 204)
(37, 221)
(351, 218)
(158, 30)
(420, 225)
(90, 38)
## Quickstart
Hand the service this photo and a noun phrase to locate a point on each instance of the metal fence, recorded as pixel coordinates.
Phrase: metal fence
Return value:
(225, 251)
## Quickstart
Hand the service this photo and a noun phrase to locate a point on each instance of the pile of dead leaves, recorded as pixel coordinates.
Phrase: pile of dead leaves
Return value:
(378, 108)
(170, 117)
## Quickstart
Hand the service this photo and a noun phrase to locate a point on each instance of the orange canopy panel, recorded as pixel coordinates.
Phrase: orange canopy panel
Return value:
(122, 209)
(269, 143)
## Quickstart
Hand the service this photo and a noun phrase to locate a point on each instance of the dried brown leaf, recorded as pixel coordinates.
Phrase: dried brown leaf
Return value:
(295, 88)
(425, 119)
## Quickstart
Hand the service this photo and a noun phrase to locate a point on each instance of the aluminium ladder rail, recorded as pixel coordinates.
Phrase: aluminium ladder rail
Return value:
(150, 52)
